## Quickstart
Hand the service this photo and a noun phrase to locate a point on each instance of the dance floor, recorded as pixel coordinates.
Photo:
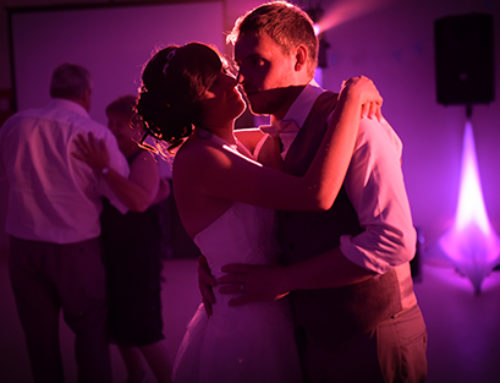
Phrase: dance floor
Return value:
(464, 329)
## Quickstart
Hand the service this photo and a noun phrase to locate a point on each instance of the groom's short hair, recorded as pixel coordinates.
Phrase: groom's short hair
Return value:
(286, 24)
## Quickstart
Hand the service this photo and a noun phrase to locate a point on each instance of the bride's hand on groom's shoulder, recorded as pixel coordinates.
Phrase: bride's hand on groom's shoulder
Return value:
(252, 283)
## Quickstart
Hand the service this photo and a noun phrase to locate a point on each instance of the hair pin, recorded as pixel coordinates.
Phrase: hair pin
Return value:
(168, 59)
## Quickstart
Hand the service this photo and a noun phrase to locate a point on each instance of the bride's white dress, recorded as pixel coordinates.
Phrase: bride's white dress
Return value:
(253, 343)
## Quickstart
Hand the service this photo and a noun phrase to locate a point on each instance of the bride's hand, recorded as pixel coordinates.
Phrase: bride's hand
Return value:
(364, 89)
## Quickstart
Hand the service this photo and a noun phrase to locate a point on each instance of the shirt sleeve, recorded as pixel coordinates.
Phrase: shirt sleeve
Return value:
(118, 162)
(375, 186)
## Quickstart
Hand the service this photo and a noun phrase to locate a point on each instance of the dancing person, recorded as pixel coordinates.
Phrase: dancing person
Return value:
(223, 196)
(132, 244)
(54, 203)
(357, 318)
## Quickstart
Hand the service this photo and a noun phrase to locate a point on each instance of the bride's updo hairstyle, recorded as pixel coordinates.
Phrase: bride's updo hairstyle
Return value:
(173, 82)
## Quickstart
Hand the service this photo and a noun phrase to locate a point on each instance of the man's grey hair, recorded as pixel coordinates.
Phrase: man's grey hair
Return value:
(70, 81)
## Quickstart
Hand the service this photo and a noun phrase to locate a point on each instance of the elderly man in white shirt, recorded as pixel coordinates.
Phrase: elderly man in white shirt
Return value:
(53, 208)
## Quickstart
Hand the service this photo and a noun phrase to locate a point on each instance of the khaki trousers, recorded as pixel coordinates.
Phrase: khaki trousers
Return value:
(395, 351)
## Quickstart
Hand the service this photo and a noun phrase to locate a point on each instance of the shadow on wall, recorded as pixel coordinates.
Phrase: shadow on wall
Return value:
(6, 110)
(3, 212)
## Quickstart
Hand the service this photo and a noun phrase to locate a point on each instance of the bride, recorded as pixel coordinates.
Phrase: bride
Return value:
(225, 200)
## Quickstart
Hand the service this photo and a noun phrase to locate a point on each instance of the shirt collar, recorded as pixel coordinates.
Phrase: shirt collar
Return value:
(68, 105)
(302, 105)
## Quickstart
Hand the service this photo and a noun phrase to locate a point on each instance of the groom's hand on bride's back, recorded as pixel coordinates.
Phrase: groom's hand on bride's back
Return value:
(206, 282)
(252, 283)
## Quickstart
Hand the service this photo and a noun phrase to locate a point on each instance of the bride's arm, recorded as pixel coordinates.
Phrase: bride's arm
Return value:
(231, 177)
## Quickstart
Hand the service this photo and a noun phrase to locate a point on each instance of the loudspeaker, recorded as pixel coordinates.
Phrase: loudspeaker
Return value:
(464, 59)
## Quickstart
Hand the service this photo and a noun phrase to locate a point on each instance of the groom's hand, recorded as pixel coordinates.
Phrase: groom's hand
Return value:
(252, 283)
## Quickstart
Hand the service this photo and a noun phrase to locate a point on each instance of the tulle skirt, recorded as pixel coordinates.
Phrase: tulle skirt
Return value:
(251, 343)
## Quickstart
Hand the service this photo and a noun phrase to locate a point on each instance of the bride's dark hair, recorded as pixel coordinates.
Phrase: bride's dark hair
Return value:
(173, 81)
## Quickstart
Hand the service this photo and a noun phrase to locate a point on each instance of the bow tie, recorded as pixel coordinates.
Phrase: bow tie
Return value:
(285, 131)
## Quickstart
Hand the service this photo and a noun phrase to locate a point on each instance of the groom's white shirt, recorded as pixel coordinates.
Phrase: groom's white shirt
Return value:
(375, 186)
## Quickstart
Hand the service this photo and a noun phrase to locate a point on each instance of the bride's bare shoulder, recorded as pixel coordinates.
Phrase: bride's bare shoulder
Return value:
(198, 152)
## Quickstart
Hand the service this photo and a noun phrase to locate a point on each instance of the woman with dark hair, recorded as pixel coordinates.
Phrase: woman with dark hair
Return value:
(224, 197)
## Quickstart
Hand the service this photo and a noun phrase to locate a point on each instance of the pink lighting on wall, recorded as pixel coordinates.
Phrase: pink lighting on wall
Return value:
(471, 243)
(346, 10)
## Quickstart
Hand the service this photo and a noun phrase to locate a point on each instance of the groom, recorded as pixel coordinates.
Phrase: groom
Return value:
(347, 269)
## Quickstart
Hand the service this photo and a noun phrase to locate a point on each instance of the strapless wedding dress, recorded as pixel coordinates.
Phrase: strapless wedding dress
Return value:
(253, 343)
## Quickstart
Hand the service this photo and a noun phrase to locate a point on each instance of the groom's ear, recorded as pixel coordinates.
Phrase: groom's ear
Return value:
(301, 57)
